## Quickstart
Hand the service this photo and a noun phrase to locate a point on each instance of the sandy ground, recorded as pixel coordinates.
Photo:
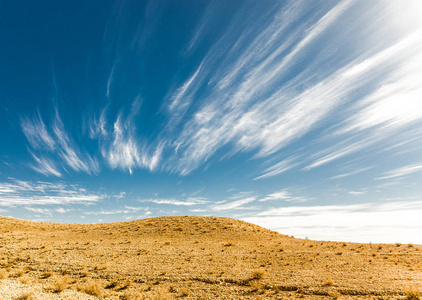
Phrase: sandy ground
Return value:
(196, 258)
(13, 290)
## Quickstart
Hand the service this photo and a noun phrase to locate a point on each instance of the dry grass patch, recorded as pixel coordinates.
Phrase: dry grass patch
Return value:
(59, 284)
(184, 292)
(25, 295)
(17, 273)
(91, 288)
(413, 294)
(3, 274)
(258, 274)
(46, 275)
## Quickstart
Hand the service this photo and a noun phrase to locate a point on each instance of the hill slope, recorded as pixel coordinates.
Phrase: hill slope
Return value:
(200, 258)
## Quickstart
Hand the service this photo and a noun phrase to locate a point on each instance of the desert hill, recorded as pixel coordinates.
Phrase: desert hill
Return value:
(196, 258)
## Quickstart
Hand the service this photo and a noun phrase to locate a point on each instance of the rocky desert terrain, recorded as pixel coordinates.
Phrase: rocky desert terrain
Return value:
(196, 258)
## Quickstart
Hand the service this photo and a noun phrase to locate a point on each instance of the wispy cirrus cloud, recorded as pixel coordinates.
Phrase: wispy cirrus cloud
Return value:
(402, 171)
(235, 202)
(69, 152)
(263, 90)
(123, 151)
(120, 148)
(269, 103)
(123, 148)
(280, 167)
(45, 166)
(233, 205)
(97, 126)
(39, 210)
(58, 144)
(284, 195)
(382, 115)
(125, 210)
(351, 173)
(182, 98)
(355, 193)
(36, 133)
(190, 201)
(35, 193)
(227, 115)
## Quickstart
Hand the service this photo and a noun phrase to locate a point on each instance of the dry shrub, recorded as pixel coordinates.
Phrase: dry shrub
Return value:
(46, 275)
(258, 274)
(413, 294)
(84, 273)
(26, 295)
(130, 295)
(18, 273)
(257, 286)
(328, 281)
(59, 284)
(3, 274)
(92, 288)
(24, 279)
(112, 284)
(184, 292)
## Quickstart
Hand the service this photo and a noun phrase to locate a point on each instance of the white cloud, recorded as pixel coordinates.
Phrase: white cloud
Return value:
(36, 133)
(135, 209)
(186, 202)
(279, 167)
(45, 166)
(388, 222)
(261, 89)
(403, 171)
(45, 211)
(60, 143)
(181, 94)
(68, 151)
(357, 193)
(110, 80)
(285, 195)
(63, 210)
(121, 195)
(394, 106)
(126, 210)
(340, 150)
(124, 150)
(18, 193)
(236, 202)
(351, 173)
(251, 114)
(97, 127)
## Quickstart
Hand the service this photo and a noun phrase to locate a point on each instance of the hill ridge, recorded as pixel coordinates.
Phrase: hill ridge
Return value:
(200, 257)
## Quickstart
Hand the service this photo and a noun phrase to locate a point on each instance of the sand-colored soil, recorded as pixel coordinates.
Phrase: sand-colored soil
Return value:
(196, 258)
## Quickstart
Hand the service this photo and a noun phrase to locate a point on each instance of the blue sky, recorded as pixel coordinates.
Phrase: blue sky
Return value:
(301, 116)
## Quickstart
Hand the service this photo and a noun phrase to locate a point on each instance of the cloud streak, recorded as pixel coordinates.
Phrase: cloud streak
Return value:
(190, 201)
(56, 144)
(36, 133)
(246, 109)
(45, 166)
(124, 150)
(68, 151)
(387, 222)
(284, 195)
(297, 91)
(24, 193)
(401, 172)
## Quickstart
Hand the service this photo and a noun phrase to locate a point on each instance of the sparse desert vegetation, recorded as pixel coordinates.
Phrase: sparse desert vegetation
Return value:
(196, 258)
